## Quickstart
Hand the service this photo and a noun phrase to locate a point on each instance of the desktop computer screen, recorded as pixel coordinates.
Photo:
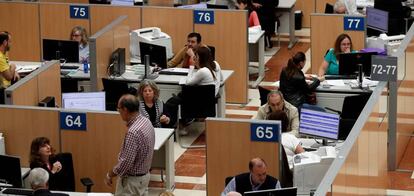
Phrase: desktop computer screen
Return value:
(292, 191)
(319, 124)
(61, 49)
(117, 62)
(377, 19)
(348, 63)
(158, 54)
(86, 101)
(10, 171)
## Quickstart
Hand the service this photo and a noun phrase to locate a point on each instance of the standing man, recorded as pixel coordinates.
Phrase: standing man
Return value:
(134, 160)
(184, 58)
(7, 71)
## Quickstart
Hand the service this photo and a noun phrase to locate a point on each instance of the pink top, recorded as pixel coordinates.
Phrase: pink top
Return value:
(253, 19)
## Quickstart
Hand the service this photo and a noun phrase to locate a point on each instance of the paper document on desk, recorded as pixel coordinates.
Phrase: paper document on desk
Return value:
(335, 82)
(183, 81)
(100, 194)
(177, 70)
(26, 68)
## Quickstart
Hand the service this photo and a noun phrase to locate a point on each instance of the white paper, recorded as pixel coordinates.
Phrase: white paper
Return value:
(335, 82)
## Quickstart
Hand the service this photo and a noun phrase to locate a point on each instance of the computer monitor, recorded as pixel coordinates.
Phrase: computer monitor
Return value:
(10, 171)
(158, 54)
(319, 124)
(217, 6)
(84, 100)
(348, 63)
(61, 49)
(377, 19)
(292, 191)
(117, 62)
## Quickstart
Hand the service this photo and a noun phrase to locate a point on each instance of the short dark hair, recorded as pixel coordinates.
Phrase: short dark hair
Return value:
(4, 35)
(282, 116)
(196, 35)
(130, 102)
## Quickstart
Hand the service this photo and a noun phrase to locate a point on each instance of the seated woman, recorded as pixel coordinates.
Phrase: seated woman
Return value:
(42, 155)
(79, 34)
(330, 64)
(293, 82)
(248, 5)
(150, 105)
(290, 143)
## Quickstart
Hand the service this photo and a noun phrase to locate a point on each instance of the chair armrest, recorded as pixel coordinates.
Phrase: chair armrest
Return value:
(88, 183)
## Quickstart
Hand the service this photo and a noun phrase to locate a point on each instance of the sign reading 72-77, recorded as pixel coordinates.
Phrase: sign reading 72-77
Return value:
(384, 68)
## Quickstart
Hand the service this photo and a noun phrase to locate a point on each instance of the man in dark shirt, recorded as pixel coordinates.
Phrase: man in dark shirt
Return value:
(38, 179)
(134, 160)
(255, 180)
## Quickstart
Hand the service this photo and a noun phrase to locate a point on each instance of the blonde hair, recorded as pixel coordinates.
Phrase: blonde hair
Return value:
(84, 35)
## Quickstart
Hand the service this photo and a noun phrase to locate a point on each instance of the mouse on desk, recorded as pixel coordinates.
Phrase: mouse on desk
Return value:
(309, 149)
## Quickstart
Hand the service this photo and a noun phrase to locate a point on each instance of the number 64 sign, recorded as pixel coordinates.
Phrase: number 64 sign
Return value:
(72, 121)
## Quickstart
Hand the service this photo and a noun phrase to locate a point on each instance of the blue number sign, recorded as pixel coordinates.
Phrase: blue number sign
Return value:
(354, 23)
(265, 132)
(79, 12)
(203, 17)
(73, 121)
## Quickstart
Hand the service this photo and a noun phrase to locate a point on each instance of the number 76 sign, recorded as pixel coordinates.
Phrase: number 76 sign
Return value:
(203, 17)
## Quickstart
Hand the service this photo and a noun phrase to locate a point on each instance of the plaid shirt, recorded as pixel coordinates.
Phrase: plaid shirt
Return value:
(137, 149)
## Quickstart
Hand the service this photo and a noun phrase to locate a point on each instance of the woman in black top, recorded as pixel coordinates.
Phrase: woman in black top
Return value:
(293, 81)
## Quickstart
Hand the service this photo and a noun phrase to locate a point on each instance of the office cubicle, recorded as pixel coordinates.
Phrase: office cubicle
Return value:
(41, 83)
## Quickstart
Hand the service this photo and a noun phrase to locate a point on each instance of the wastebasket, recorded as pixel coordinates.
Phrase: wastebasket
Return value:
(298, 19)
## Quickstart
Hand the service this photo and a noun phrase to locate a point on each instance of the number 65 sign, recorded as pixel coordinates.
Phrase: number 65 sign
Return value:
(265, 132)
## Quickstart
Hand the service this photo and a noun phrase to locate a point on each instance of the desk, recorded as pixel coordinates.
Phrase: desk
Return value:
(257, 40)
(169, 85)
(164, 155)
(288, 6)
(73, 193)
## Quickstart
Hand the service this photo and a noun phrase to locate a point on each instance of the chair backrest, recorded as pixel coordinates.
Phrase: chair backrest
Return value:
(114, 89)
(198, 101)
(65, 179)
(329, 9)
(263, 95)
(212, 51)
(286, 176)
(227, 180)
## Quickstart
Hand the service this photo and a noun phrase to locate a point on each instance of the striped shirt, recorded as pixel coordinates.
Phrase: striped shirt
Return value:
(137, 149)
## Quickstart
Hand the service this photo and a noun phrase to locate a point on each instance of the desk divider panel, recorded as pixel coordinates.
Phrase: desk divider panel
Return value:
(20, 125)
(307, 7)
(95, 151)
(320, 5)
(167, 19)
(230, 37)
(55, 21)
(36, 86)
(325, 29)
(24, 28)
(65, 1)
(102, 15)
(229, 150)
(102, 44)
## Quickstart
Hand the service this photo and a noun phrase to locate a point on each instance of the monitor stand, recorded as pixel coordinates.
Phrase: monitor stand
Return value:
(324, 143)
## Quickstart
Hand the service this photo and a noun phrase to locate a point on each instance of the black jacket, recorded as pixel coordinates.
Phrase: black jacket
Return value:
(46, 192)
(243, 183)
(295, 89)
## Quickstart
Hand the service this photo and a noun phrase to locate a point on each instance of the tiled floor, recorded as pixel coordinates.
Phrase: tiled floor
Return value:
(190, 164)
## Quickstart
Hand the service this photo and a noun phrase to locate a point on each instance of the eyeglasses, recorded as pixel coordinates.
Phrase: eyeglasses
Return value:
(76, 35)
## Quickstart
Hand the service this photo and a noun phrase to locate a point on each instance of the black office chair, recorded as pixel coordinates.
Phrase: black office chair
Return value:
(286, 176)
(263, 95)
(227, 180)
(114, 89)
(212, 51)
(198, 102)
(66, 180)
(329, 9)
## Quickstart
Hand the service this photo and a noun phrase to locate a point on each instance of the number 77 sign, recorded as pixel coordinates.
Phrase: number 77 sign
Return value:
(354, 23)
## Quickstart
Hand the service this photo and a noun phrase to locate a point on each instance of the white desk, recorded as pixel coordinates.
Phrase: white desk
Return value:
(164, 155)
(169, 85)
(257, 40)
(288, 6)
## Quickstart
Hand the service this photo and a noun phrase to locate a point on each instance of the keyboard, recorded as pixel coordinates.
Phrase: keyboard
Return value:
(175, 71)
(69, 67)
(340, 77)
(17, 191)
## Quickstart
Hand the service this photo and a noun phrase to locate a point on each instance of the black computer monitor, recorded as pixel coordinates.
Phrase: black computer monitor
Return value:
(348, 63)
(377, 19)
(217, 6)
(319, 124)
(117, 62)
(396, 12)
(292, 191)
(351, 109)
(99, 1)
(61, 49)
(10, 172)
(158, 54)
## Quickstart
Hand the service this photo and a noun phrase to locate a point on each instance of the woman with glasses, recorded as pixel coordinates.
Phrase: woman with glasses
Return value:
(330, 64)
(79, 34)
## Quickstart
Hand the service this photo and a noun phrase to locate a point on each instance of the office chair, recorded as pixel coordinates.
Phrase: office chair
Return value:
(66, 181)
(329, 9)
(198, 102)
(212, 51)
(227, 180)
(114, 89)
(286, 176)
(263, 95)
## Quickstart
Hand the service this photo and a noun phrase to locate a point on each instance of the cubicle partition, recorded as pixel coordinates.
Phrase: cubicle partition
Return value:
(320, 5)
(36, 86)
(20, 125)
(102, 44)
(307, 7)
(323, 36)
(24, 28)
(230, 148)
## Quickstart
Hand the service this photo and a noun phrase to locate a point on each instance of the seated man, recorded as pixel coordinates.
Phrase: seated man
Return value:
(184, 58)
(346, 7)
(255, 180)
(38, 179)
(275, 101)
